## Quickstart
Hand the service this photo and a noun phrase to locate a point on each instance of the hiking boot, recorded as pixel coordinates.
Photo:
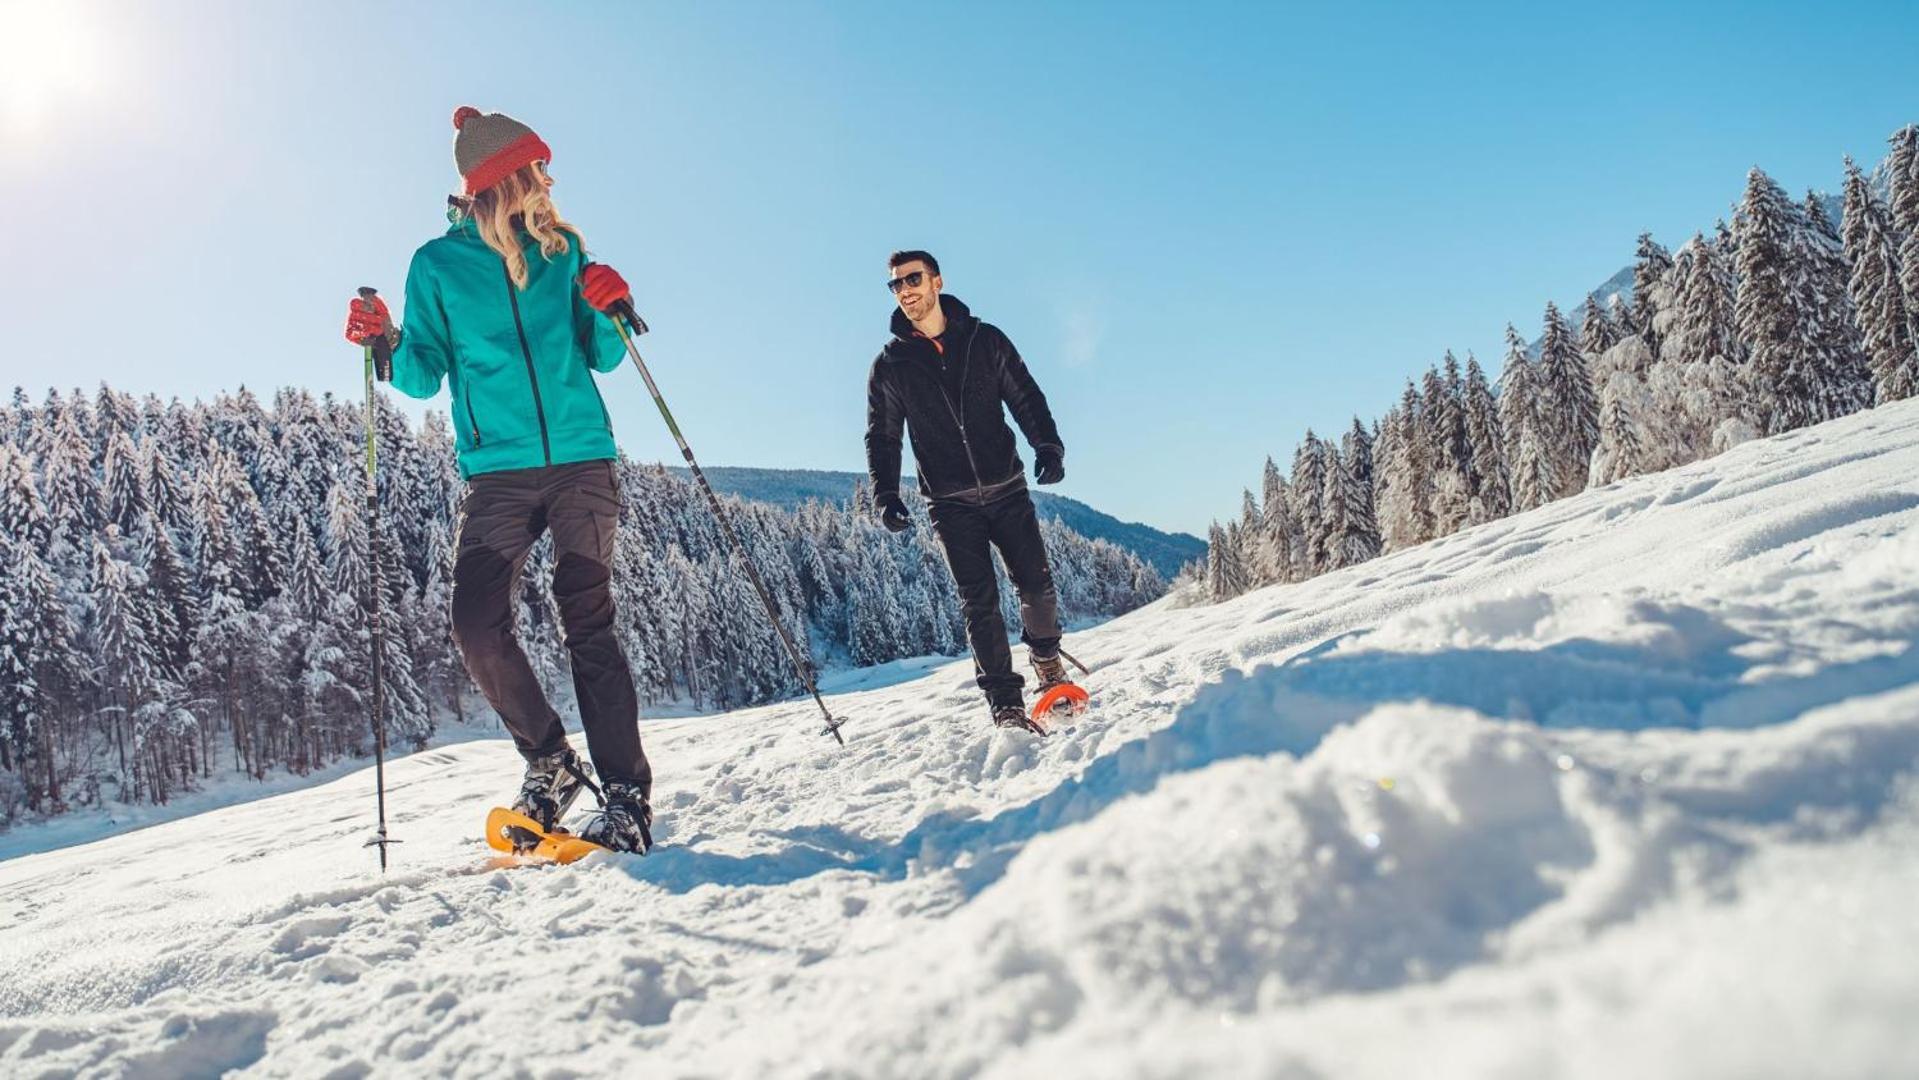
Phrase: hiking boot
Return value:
(1014, 716)
(552, 782)
(1050, 670)
(625, 823)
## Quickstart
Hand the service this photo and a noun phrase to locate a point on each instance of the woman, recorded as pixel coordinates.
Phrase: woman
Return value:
(506, 308)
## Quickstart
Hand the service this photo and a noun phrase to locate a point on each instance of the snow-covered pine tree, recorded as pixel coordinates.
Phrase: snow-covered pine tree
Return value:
(164, 492)
(70, 488)
(42, 670)
(125, 488)
(1845, 377)
(1704, 324)
(1309, 480)
(1700, 389)
(1356, 536)
(23, 514)
(307, 586)
(1567, 407)
(115, 413)
(129, 668)
(1252, 528)
(1519, 423)
(1877, 298)
(1445, 430)
(1279, 532)
(1650, 264)
(1407, 512)
(1225, 573)
(24, 743)
(1532, 472)
(1332, 503)
(1902, 207)
(409, 719)
(1490, 486)
(1597, 332)
(217, 559)
(1769, 312)
(1622, 450)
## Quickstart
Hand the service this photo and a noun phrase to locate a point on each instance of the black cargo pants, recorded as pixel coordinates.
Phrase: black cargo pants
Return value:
(969, 533)
(502, 516)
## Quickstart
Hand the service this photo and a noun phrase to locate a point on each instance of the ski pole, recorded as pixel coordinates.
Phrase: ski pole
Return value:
(629, 324)
(379, 360)
(1084, 670)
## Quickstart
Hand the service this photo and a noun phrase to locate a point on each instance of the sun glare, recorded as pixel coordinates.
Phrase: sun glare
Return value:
(50, 59)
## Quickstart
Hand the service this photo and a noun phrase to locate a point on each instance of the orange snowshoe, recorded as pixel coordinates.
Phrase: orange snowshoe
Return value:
(1060, 701)
(517, 834)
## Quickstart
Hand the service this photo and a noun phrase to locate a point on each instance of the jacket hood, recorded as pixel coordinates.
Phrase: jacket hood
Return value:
(956, 311)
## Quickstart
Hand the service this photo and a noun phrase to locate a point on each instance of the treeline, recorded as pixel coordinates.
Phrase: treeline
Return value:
(1784, 318)
(184, 589)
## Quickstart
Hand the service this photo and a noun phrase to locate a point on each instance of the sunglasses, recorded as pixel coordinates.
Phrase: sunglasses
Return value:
(911, 280)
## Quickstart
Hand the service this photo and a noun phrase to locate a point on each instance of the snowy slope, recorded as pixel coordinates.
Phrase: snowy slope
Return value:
(1626, 786)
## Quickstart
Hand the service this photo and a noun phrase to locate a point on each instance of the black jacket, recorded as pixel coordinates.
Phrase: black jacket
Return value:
(963, 448)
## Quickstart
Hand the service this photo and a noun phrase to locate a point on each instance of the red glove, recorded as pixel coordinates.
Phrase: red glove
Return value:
(602, 287)
(366, 320)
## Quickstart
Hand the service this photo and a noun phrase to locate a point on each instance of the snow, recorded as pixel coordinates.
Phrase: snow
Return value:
(1624, 786)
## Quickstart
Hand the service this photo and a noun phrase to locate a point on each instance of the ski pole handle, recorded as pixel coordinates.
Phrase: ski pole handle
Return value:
(381, 347)
(623, 308)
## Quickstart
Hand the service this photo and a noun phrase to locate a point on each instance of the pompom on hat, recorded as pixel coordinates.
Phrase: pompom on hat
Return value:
(489, 147)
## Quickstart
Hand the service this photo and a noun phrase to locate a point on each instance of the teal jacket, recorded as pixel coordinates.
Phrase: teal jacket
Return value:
(519, 363)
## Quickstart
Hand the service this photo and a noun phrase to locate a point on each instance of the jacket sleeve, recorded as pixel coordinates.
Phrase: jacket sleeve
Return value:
(598, 338)
(885, 420)
(426, 349)
(1022, 395)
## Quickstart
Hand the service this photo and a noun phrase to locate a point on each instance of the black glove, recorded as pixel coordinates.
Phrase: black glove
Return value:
(893, 513)
(1048, 466)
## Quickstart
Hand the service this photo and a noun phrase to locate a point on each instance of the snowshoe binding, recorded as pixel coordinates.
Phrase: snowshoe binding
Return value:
(1014, 716)
(625, 823)
(1058, 696)
(552, 782)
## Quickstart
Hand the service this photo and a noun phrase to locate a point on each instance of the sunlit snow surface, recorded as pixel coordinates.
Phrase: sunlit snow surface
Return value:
(1622, 787)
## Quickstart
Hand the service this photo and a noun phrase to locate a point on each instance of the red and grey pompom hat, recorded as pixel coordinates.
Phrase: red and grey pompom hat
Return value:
(488, 147)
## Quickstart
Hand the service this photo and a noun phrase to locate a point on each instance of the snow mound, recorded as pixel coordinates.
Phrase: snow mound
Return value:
(1628, 785)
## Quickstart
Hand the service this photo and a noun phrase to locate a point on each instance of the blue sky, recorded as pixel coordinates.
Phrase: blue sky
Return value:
(1207, 227)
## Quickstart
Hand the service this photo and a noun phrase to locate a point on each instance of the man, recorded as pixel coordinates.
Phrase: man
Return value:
(943, 377)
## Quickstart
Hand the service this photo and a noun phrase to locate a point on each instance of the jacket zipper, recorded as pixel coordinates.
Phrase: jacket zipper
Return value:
(472, 422)
(513, 297)
(966, 367)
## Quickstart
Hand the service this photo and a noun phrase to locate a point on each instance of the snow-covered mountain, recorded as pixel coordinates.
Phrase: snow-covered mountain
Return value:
(789, 488)
(1624, 786)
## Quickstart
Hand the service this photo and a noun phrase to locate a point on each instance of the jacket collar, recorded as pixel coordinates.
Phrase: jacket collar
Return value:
(958, 317)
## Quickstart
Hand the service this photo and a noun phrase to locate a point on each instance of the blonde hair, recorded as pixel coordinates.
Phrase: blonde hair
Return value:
(520, 201)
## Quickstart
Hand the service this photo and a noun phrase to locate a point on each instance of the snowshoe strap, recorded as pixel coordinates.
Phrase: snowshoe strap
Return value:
(580, 775)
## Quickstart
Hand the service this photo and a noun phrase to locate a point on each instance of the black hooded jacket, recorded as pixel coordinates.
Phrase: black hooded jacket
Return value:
(961, 443)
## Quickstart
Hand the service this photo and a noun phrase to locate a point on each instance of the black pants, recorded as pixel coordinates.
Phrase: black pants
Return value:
(503, 514)
(969, 533)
